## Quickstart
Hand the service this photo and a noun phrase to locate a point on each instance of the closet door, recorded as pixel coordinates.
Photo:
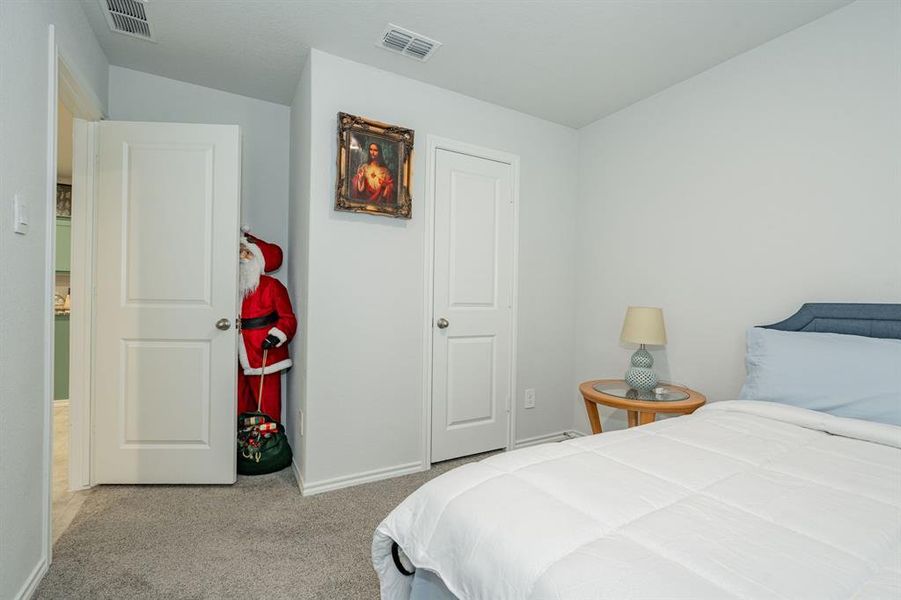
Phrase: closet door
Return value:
(472, 349)
(167, 226)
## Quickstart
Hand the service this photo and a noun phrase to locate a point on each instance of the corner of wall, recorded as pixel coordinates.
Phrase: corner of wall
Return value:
(720, 198)
(299, 263)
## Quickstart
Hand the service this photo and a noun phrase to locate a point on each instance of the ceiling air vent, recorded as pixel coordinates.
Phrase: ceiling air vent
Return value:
(128, 17)
(406, 42)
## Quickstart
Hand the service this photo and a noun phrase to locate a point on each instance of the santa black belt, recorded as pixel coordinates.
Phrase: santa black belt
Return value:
(260, 322)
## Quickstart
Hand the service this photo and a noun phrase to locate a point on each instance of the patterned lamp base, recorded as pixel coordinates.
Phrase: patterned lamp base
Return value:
(640, 376)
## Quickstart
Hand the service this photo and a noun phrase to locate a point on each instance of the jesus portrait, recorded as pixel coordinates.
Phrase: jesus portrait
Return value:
(374, 167)
(374, 180)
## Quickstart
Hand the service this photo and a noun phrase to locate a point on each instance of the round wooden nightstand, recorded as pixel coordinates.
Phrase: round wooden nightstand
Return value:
(642, 407)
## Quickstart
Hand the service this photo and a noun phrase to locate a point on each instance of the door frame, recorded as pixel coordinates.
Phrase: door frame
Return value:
(434, 143)
(86, 111)
(81, 342)
(65, 84)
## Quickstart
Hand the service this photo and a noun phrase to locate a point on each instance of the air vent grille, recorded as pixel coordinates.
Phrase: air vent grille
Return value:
(129, 8)
(396, 40)
(128, 17)
(406, 42)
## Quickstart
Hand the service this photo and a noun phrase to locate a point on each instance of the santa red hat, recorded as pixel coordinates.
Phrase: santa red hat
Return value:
(269, 255)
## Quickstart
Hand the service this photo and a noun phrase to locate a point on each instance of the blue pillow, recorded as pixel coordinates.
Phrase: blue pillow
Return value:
(844, 375)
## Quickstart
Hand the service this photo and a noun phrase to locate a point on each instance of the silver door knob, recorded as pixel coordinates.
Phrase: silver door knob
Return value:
(443, 323)
(223, 324)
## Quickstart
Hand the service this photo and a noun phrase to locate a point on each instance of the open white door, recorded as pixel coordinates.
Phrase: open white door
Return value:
(167, 227)
(472, 353)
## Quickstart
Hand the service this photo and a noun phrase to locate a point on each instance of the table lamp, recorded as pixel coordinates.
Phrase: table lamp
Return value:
(643, 325)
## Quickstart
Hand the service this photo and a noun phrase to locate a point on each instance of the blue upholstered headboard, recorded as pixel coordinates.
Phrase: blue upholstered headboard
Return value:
(870, 320)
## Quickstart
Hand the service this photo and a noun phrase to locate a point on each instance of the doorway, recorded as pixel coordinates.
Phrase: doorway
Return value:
(66, 501)
(70, 106)
(473, 300)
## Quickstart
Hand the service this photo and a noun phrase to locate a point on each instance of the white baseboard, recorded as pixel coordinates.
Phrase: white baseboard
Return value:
(298, 477)
(549, 437)
(31, 584)
(326, 485)
(335, 483)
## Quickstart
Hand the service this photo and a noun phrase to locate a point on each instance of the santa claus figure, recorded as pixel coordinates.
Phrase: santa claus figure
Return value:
(267, 323)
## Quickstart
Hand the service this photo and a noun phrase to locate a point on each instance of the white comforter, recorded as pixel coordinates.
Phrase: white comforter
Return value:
(741, 499)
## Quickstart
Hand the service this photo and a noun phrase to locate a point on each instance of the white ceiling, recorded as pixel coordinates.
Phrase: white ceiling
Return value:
(567, 61)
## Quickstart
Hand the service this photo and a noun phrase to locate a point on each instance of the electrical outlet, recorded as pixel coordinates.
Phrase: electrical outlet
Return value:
(529, 401)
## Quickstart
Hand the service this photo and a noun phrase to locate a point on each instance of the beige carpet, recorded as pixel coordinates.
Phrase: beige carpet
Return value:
(256, 539)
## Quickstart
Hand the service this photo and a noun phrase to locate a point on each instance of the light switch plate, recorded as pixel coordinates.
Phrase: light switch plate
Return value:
(20, 214)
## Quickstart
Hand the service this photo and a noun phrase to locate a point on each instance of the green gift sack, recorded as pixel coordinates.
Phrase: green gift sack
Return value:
(261, 452)
(262, 444)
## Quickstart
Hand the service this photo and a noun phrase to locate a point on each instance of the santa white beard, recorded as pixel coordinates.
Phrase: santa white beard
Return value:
(249, 276)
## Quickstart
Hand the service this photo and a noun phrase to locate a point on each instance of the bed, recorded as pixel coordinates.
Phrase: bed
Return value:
(742, 499)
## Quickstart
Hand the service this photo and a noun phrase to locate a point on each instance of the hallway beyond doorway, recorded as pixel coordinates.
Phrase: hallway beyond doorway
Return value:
(66, 504)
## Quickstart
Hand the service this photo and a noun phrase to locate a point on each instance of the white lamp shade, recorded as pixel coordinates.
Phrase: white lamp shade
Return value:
(644, 325)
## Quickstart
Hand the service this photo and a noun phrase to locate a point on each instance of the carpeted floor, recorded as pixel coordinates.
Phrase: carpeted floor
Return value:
(256, 539)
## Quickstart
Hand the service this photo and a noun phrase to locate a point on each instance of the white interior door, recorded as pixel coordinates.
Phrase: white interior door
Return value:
(472, 352)
(167, 226)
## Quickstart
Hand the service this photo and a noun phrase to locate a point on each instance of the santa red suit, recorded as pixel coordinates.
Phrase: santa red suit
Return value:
(266, 318)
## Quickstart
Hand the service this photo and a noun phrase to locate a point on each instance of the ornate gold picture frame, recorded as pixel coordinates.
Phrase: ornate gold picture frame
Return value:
(374, 167)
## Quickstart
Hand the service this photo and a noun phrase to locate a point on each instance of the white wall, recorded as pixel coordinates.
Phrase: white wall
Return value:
(137, 96)
(299, 261)
(366, 275)
(23, 303)
(730, 199)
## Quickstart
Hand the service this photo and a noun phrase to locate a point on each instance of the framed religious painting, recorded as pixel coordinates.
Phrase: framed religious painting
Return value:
(374, 167)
